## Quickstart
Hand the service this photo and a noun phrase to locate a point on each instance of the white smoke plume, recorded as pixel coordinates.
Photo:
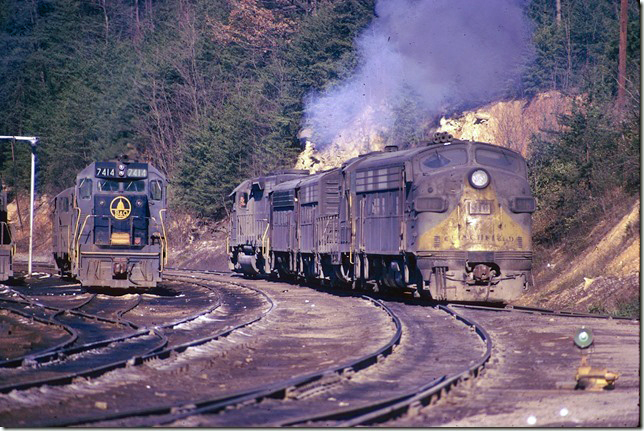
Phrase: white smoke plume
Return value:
(440, 55)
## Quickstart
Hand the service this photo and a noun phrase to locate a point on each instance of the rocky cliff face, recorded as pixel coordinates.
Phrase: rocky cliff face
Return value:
(511, 123)
(507, 123)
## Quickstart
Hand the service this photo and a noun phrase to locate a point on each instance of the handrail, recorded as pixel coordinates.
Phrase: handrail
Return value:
(264, 239)
(78, 240)
(164, 241)
(79, 233)
(71, 247)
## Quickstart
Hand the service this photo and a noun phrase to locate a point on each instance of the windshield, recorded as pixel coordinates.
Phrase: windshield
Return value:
(134, 186)
(107, 185)
(439, 158)
(498, 159)
(85, 188)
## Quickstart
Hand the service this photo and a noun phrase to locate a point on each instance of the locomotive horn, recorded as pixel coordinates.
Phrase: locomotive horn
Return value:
(442, 137)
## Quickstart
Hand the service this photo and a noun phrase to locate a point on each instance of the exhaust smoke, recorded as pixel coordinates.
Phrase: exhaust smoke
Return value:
(418, 59)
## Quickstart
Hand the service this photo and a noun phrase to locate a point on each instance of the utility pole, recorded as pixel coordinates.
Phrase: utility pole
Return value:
(33, 140)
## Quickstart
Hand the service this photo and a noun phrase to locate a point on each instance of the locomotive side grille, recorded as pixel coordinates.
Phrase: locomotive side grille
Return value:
(283, 198)
(378, 179)
(331, 197)
(309, 194)
(437, 241)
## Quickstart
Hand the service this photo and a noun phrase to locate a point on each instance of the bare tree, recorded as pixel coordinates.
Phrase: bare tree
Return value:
(621, 73)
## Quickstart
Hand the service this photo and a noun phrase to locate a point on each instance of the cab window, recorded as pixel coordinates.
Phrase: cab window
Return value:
(439, 158)
(85, 188)
(134, 186)
(156, 191)
(107, 186)
(498, 159)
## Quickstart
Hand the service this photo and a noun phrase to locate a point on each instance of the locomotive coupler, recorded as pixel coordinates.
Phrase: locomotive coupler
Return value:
(120, 268)
(481, 273)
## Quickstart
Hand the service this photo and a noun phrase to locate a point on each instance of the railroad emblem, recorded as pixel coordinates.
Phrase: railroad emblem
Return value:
(120, 207)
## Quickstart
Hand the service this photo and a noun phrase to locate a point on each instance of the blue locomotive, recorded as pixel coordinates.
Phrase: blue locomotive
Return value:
(109, 228)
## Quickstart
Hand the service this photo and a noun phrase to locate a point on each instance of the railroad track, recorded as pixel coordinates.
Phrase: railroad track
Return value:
(179, 361)
(417, 390)
(175, 337)
(275, 390)
(68, 360)
(284, 397)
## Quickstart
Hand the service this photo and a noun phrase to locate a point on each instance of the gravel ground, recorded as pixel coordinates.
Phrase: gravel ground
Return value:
(530, 379)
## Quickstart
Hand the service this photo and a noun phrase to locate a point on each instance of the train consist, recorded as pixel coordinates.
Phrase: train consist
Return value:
(450, 219)
(108, 229)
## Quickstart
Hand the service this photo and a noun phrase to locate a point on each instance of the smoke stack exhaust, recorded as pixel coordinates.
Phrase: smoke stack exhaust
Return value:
(409, 72)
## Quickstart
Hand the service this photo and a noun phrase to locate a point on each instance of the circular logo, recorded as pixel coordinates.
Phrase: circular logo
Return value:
(120, 207)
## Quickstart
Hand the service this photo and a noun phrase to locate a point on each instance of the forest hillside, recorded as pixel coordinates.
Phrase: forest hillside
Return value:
(214, 91)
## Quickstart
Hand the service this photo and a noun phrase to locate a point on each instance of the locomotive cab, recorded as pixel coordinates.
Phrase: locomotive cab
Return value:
(470, 222)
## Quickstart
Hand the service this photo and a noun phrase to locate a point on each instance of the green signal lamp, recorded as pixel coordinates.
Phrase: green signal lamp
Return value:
(583, 338)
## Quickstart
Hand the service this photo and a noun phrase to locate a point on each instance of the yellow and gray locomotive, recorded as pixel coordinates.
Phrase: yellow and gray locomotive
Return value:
(450, 219)
(108, 229)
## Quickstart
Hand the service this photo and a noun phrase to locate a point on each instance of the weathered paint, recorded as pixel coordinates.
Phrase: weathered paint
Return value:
(463, 231)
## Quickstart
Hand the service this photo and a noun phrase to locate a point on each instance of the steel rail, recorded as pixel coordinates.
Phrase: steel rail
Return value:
(542, 311)
(278, 390)
(385, 409)
(63, 348)
(135, 360)
(16, 362)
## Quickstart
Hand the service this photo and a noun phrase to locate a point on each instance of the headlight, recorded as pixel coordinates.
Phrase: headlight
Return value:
(479, 179)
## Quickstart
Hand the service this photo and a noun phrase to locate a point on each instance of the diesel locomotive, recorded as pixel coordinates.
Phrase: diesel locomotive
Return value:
(450, 219)
(109, 228)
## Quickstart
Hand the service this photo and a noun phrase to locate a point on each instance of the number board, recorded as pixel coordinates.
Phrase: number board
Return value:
(110, 170)
(481, 207)
(136, 170)
(105, 170)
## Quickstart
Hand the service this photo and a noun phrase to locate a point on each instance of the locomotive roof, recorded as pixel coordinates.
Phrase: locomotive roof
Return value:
(66, 192)
(380, 158)
(372, 159)
(89, 169)
(279, 176)
(318, 176)
(288, 185)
